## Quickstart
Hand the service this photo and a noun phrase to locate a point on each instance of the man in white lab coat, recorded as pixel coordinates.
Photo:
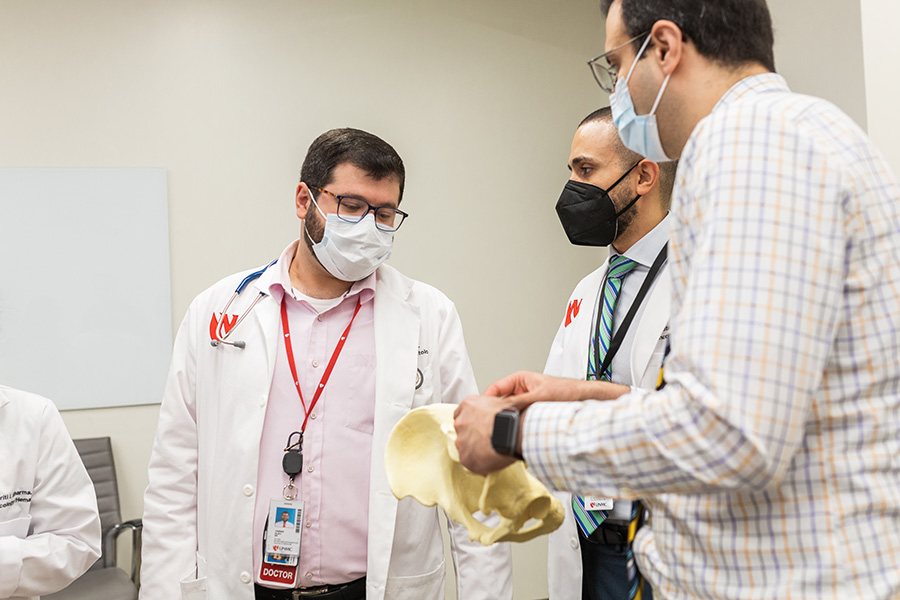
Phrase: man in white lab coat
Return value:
(635, 226)
(49, 526)
(283, 400)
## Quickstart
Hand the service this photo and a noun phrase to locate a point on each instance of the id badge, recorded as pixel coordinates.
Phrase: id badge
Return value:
(281, 549)
(284, 527)
(595, 503)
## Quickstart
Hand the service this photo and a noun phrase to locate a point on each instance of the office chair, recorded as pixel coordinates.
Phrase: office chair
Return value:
(104, 580)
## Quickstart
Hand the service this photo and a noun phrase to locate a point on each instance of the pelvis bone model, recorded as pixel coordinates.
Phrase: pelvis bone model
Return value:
(422, 461)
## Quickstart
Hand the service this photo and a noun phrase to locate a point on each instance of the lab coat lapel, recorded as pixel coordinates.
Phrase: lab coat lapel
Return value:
(397, 326)
(582, 331)
(267, 318)
(651, 325)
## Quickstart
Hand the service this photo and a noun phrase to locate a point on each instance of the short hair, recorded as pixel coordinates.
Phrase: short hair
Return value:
(728, 32)
(628, 157)
(356, 147)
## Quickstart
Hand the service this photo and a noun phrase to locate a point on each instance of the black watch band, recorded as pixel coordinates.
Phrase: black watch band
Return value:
(506, 432)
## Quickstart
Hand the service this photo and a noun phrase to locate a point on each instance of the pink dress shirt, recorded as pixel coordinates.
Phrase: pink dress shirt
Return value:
(337, 444)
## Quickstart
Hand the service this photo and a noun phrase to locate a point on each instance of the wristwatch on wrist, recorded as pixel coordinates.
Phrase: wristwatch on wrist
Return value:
(506, 432)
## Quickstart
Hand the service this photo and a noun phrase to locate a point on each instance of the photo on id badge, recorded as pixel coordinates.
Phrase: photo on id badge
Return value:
(283, 532)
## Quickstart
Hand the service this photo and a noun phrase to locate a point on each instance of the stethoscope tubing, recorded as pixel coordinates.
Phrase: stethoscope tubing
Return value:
(222, 336)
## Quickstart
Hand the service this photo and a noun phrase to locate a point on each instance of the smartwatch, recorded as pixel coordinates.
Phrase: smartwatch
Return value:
(506, 432)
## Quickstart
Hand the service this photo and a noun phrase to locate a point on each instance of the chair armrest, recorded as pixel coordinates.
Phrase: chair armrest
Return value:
(109, 545)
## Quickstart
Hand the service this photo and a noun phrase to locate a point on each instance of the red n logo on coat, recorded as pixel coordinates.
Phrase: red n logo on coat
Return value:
(228, 321)
(572, 310)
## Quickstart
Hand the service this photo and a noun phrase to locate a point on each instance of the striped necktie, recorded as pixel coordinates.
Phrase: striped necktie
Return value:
(619, 267)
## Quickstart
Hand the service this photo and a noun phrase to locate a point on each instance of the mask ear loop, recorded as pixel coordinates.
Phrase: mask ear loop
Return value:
(624, 175)
(316, 204)
(630, 204)
(660, 94)
(634, 64)
(637, 57)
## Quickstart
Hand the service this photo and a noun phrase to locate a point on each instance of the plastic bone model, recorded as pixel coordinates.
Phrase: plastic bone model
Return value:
(422, 461)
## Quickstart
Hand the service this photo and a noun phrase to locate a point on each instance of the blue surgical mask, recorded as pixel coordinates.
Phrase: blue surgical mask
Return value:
(639, 133)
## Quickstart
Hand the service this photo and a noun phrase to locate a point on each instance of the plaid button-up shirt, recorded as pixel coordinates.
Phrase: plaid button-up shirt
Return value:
(771, 460)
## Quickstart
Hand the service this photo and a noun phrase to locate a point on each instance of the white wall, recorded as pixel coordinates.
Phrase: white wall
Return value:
(480, 99)
(818, 49)
(881, 75)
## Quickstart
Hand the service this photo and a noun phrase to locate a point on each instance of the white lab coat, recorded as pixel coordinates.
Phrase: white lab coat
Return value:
(568, 358)
(212, 416)
(49, 526)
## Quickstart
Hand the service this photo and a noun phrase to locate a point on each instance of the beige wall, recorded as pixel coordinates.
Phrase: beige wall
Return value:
(818, 49)
(480, 98)
(882, 82)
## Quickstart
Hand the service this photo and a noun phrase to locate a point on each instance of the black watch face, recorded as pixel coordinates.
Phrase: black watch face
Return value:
(506, 432)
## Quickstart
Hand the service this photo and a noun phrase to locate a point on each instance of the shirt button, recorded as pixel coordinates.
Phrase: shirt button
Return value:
(248, 490)
(262, 401)
(308, 575)
(315, 363)
(574, 543)
(319, 319)
(312, 416)
(309, 523)
(309, 468)
(245, 577)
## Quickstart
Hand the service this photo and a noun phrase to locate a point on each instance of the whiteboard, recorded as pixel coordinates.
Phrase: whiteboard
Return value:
(85, 302)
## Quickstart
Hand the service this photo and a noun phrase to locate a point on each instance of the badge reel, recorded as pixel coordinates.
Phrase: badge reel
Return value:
(281, 540)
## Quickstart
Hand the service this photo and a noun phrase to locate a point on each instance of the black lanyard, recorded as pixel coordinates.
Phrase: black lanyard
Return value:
(616, 342)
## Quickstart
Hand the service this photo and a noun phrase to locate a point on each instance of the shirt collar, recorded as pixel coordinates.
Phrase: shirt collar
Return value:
(645, 250)
(753, 85)
(281, 280)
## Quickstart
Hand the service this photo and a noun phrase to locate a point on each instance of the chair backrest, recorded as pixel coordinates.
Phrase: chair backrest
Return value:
(97, 456)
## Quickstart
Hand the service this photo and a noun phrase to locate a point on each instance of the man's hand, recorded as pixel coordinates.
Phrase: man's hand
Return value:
(526, 388)
(474, 423)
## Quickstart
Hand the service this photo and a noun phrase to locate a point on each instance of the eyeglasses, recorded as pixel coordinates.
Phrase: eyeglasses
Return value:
(353, 210)
(604, 73)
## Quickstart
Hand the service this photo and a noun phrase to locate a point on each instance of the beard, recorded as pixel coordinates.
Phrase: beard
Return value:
(624, 221)
(314, 229)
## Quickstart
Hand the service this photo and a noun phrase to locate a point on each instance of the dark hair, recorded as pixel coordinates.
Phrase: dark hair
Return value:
(359, 148)
(627, 157)
(728, 32)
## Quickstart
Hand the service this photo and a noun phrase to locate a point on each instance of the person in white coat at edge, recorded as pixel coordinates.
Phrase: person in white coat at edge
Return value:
(49, 525)
(613, 198)
(366, 344)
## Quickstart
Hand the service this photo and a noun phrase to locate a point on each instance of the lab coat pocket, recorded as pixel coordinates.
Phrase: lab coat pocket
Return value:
(651, 375)
(424, 384)
(17, 528)
(417, 587)
(195, 589)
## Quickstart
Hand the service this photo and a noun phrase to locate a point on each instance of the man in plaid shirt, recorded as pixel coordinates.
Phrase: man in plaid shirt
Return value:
(771, 458)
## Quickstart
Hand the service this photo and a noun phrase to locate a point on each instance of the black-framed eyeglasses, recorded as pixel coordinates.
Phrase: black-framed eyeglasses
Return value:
(604, 73)
(353, 210)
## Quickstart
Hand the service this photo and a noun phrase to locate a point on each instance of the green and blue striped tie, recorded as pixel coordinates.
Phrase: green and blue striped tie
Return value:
(619, 267)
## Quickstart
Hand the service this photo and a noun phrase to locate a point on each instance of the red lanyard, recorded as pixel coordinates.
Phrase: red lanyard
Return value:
(290, 356)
